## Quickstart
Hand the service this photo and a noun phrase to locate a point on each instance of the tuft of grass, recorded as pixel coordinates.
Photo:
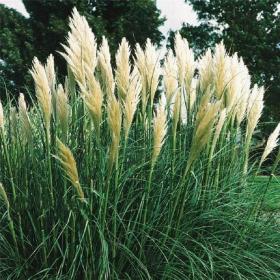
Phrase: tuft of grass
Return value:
(112, 176)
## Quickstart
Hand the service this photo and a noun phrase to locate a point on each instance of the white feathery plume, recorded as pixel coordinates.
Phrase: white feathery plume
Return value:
(203, 131)
(185, 62)
(62, 108)
(105, 68)
(123, 68)
(140, 63)
(43, 92)
(193, 93)
(24, 118)
(148, 65)
(254, 110)
(93, 98)
(234, 86)
(153, 70)
(50, 72)
(80, 53)
(170, 77)
(181, 57)
(176, 109)
(221, 70)
(114, 123)
(218, 129)
(160, 129)
(131, 101)
(205, 67)
(242, 102)
(69, 166)
(271, 144)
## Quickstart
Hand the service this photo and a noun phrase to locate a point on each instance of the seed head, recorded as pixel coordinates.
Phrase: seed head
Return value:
(271, 144)
(131, 101)
(62, 109)
(105, 68)
(80, 52)
(123, 68)
(69, 166)
(160, 129)
(43, 92)
(254, 110)
(170, 77)
(24, 119)
(114, 122)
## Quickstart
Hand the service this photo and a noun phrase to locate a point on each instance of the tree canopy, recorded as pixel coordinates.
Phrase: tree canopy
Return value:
(16, 47)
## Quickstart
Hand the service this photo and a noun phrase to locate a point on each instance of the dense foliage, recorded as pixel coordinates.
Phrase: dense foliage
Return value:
(99, 181)
(16, 49)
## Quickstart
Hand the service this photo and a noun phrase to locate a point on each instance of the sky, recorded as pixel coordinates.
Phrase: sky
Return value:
(175, 11)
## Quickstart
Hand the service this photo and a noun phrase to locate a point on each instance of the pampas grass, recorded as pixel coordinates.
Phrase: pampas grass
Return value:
(43, 91)
(68, 163)
(138, 171)
(271, 144)
(159, 130)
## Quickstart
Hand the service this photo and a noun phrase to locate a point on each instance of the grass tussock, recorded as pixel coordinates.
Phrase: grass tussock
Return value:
(137, 172)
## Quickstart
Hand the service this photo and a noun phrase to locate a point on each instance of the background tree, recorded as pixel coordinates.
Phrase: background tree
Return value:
(47, 27)
(250, 28)
(16, 49)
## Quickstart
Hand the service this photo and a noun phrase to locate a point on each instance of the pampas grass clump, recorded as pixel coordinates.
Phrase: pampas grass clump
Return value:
(141, 171)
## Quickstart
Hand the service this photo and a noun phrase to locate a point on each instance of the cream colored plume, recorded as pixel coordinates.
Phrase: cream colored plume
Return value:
(148, 64)
(232, 94)
(192, 98)
(204, 104)
(24, 118)
(69, 166)
(105, 68)
(181, 56)
(272, 143)
(176, 112)
(159, 130)
(203, 131)
(205, 67)
(170, 77)
(254, 110)
(242, 102)
(140, 62)
(43, 92)
(221, 70)
(114, 123)
(184, 107)
(218, 129)
(131, 100)
(123, 68)
(80, 53)
(50, 72)
(93, 98)
(152, 68)
(1, 115)
(185, 62)
(62, 109)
